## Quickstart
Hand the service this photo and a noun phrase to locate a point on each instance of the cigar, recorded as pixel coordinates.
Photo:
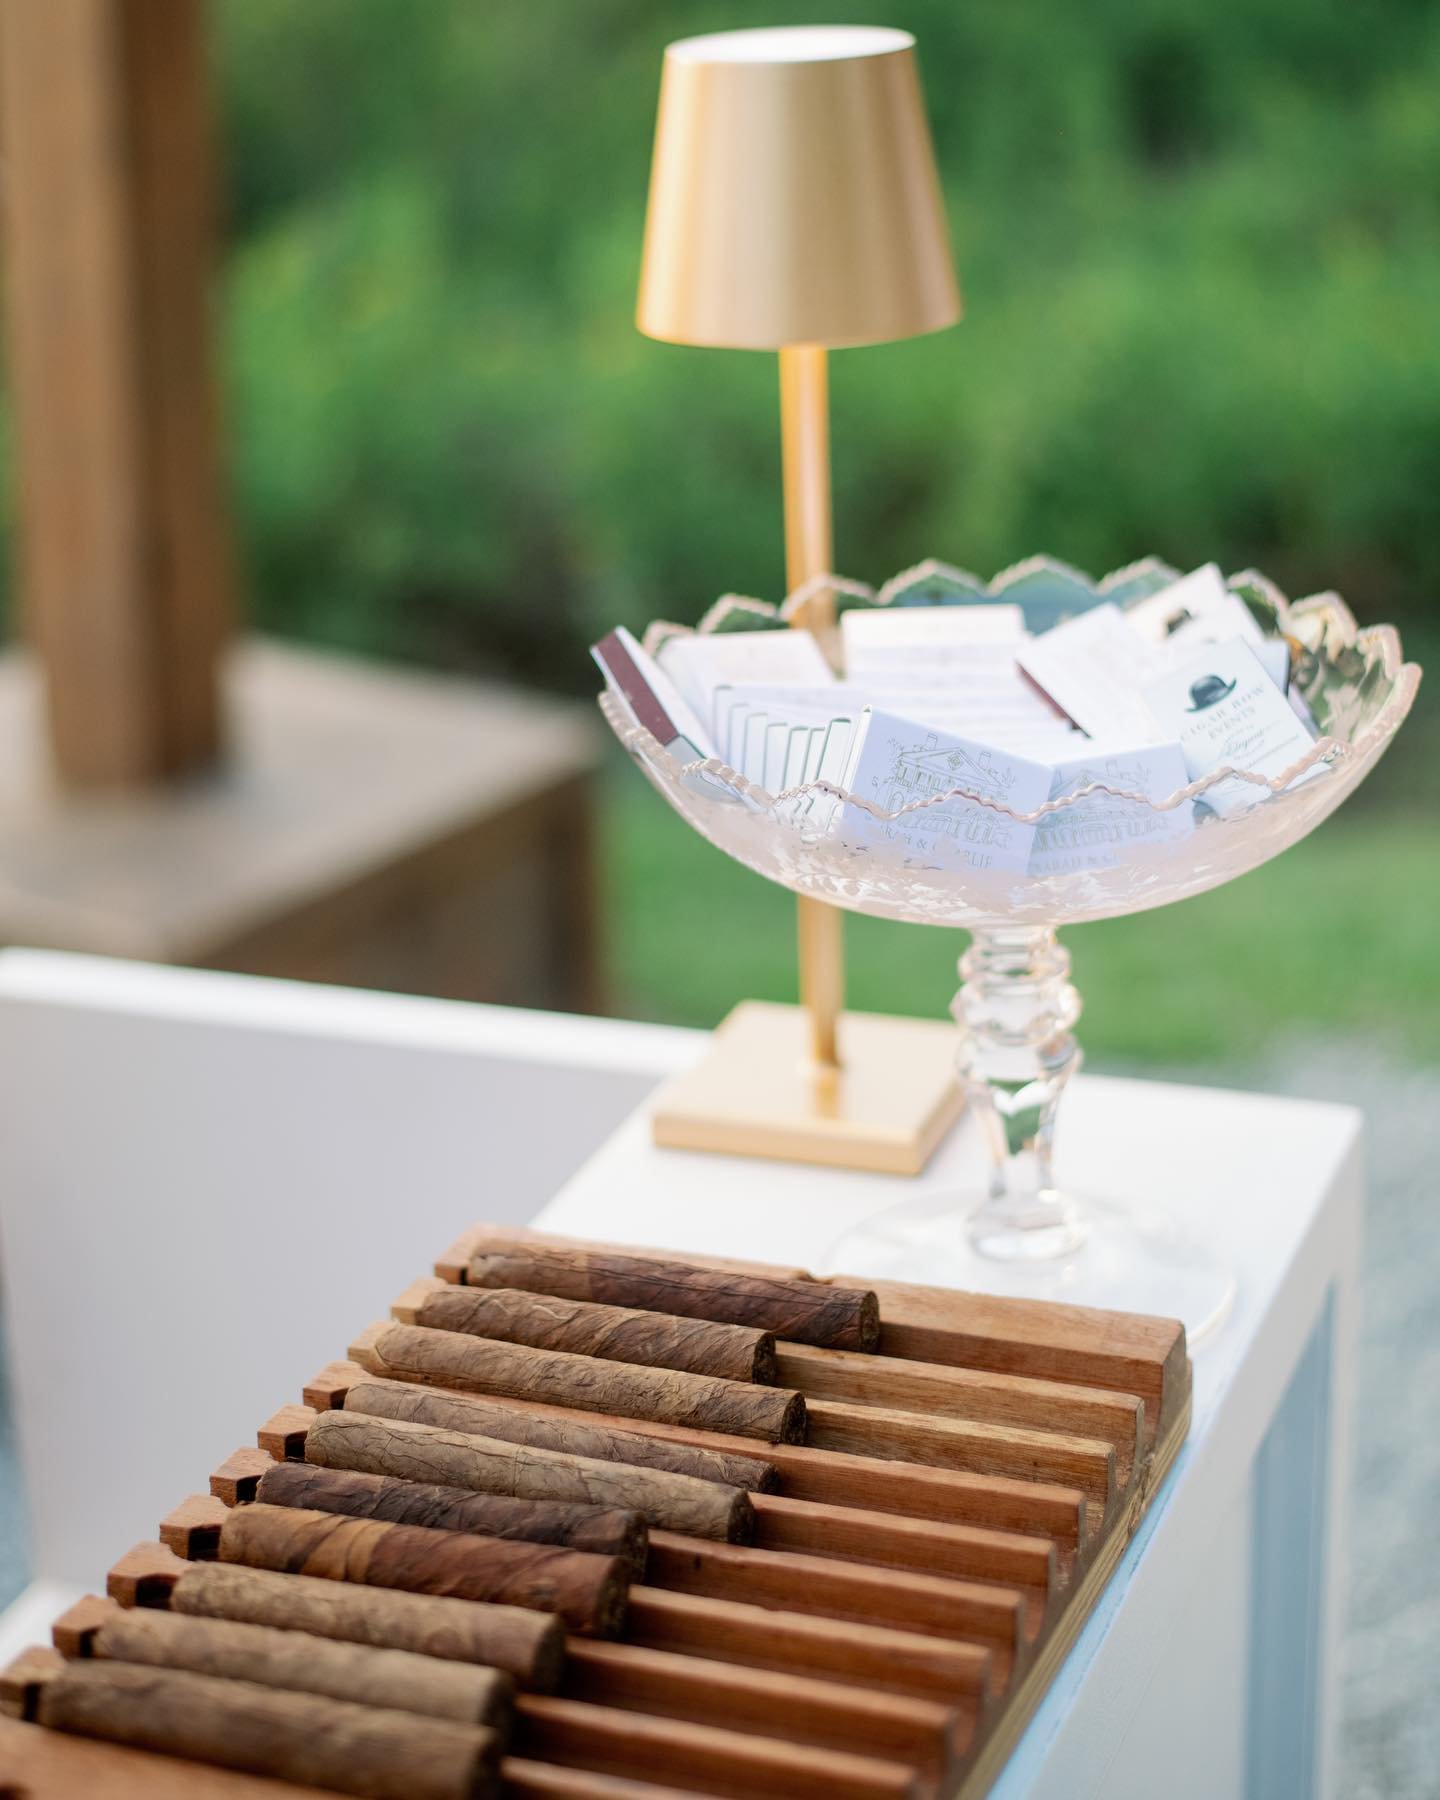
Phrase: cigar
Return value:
(804, 1312)
(478, 1365)
(588, 1592)
(396, 1679)
(374, 1752)
(383, 1399)
(530, 1646)
(872, 1482)
(653, 1340)
(346, 1440)
(600, 1530)
(491, 1238)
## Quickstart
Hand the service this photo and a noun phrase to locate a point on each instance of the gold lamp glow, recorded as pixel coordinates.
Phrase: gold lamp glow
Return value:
(794, 207)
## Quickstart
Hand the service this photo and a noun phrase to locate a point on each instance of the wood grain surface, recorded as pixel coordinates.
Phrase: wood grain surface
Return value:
(972, 1611)
(950, 1393)
(729, 1763)
(803, 1709)
(1125, 1353)
(768, 1637)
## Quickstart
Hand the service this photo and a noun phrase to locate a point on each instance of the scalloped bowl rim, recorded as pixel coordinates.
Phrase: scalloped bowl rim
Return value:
(1403, 679)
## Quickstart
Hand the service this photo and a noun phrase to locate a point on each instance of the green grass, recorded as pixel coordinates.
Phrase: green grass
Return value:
(1335, 937)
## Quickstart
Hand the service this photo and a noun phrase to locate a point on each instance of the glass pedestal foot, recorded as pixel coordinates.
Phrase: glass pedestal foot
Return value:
(1019, 1233)
(1090, 1253)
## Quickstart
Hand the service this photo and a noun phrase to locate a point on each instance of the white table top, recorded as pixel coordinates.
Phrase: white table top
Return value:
(1253, 1171)
(1275, 1184)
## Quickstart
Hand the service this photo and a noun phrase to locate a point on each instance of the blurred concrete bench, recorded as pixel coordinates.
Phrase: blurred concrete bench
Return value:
(372, 827)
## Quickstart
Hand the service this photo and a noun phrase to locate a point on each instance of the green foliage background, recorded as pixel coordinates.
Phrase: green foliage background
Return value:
(1200, 246)
(1201, 253)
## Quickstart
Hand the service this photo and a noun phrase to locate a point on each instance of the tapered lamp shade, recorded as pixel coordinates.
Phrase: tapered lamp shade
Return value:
(793, 195)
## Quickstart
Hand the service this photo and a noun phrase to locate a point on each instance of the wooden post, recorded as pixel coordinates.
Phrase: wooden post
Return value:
(126, 573)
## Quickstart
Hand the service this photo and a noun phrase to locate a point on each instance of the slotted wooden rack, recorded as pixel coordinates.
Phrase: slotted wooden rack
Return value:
(925, 1561)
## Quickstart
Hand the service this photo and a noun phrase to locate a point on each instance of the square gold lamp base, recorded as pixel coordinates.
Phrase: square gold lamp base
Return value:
(756, 1093)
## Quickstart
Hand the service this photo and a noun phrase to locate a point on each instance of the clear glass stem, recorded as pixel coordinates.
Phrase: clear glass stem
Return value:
(1014, 1230)
(1016, 1010)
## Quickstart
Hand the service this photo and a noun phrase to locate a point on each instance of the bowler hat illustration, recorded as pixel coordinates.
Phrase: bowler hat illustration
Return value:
(1209, 690)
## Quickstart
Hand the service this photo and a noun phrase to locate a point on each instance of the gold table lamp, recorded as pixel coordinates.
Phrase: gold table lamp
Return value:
(794, 206)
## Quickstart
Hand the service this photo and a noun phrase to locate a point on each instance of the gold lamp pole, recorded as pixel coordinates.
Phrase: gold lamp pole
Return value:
(809, 551)
(794, 207)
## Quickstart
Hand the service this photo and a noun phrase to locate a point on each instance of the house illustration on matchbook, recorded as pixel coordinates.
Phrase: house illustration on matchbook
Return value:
(1094, 832)
(1129, 776)
(1100, 818)
(920, 771)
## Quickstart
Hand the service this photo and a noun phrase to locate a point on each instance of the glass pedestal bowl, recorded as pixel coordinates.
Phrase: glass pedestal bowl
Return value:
(1023, 1233)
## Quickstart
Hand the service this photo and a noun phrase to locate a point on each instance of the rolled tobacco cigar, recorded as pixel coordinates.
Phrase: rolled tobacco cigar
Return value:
(601, 1530)
(804, 1312)
(452, 1359)
(542, 1431)
(588, 1592)
(293, 1659)
(528, 1645)
(374, 1752)
(346, 1440)
(653, 1340)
